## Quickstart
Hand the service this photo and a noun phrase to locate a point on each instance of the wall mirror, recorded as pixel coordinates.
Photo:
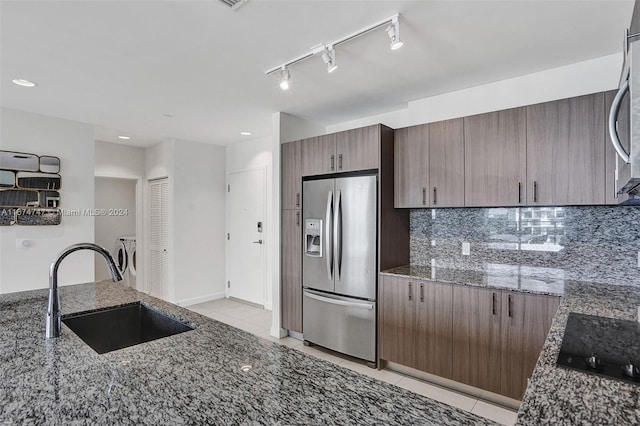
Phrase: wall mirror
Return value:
(38, 217)
(19, 198)
(19, 161)
(7, 217)
(50, 199)
(43, 181)
(7, 179)
(49, 164)
(29, 189)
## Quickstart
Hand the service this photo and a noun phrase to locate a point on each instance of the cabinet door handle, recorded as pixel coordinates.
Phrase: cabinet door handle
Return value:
(298, 218)
(535, 191)
(422, 292)
(333, 162)
(424, 196)
(410, 295)
(435, 196)
(493, 303)
(297, 199)
(340, 162)
(519, 192)
(510, 305)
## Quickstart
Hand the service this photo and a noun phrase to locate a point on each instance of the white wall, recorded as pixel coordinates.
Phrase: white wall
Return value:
(250, 155)
(113, 193)
(119, 161)
(28, 268)
(199, 183)
(582, 78)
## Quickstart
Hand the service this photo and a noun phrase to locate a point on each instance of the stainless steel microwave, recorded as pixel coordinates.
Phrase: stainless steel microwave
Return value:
(624, 123)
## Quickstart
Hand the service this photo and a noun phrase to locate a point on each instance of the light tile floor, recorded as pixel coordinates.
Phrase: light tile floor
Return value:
(258, 321)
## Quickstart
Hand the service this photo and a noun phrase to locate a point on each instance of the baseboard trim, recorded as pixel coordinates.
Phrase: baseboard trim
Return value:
(200, 299)
(474, 392)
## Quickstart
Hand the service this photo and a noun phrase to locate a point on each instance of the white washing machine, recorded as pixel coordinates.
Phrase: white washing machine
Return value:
(121, 254)
(130, 243)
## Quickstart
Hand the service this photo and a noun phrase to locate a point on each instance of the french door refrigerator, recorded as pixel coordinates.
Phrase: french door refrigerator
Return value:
(339, 266)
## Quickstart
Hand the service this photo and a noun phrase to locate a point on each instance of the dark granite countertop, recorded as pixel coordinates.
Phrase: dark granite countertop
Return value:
(189, 378)
(505, 277)
(559, 396)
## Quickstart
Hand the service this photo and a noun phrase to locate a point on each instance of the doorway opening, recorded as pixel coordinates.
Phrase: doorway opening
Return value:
(116, 222)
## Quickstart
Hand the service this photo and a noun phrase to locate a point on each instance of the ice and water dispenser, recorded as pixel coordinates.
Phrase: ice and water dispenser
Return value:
(313, 237)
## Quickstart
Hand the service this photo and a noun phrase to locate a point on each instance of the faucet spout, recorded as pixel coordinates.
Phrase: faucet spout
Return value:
(53, 306)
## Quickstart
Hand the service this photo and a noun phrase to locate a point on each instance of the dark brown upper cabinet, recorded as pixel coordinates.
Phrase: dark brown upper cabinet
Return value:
(319, 155)
(411, 168)
(495, 158)
(566, 151)
(429, 165)
(292, 175)
(358, 149)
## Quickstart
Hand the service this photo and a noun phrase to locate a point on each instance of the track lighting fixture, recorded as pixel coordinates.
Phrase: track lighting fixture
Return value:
(393, 31)
(328, 53)
(329, 58)
(284, 74)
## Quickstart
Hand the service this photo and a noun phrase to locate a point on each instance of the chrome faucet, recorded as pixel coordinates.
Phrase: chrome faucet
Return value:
(53, 307)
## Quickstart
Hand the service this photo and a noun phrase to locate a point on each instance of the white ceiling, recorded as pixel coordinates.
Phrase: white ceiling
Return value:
(122, 65)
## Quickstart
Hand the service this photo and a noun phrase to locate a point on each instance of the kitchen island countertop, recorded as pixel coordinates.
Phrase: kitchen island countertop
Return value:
(558, 396)
(193, 377)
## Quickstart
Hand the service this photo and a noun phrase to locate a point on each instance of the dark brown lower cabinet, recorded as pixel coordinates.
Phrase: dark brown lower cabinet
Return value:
(490, 339)
(476, 337)
(433, 329)
(397, 320)
(415, 324)
(291, 270)
(526, 320)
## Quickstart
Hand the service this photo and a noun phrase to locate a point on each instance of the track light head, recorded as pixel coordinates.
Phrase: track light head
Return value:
(285, 76)
(329, 58)
(393, 31)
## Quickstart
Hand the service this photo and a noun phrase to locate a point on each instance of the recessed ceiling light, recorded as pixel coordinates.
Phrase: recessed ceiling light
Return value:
(246, 368)
(24, 83)
(124, 137)
(245, 133)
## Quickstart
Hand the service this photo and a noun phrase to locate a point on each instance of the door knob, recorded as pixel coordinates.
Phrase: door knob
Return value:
(257, 242)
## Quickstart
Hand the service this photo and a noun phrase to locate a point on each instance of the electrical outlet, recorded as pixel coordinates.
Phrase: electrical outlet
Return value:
(466, 248)
(23, 244)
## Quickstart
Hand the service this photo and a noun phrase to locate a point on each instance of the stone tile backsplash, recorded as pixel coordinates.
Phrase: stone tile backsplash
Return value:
(596, 244)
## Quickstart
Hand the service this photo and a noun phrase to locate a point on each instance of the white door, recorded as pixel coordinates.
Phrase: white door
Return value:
(159, 236)
(246, 244)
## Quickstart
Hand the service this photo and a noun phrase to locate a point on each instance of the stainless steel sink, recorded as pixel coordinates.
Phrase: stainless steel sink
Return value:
(123, 326)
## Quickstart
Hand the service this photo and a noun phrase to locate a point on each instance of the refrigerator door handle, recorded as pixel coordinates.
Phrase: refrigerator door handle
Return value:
(328, 226)
(337, 234)
(337, 301)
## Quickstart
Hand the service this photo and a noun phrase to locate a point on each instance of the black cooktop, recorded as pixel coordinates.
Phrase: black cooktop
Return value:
(604, 346)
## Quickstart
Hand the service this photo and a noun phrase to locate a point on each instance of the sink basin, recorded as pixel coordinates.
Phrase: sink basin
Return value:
(123, 326)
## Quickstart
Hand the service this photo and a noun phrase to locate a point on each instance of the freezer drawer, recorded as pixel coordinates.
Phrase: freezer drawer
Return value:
(340, 323)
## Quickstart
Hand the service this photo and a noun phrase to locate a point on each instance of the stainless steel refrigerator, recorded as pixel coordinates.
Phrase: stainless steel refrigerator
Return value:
(339, 267)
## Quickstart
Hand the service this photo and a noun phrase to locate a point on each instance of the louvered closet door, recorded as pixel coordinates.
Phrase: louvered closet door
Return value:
(159, 210)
